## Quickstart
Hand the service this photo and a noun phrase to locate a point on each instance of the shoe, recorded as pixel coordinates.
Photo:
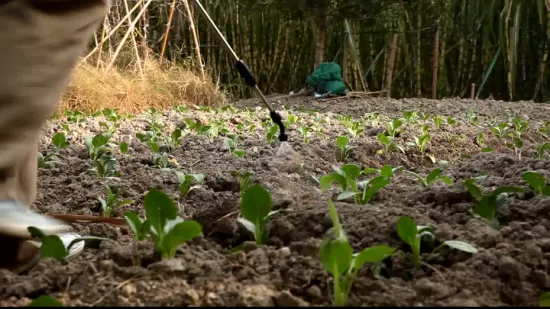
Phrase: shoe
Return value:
(29, 253)
(15, 218)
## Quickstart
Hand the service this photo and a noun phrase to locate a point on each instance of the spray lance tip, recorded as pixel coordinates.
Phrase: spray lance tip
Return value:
(278, 120)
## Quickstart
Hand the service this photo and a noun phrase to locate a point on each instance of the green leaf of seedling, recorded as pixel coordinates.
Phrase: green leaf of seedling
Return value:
(137, 225)
(248, 225)
(462, 246)
(338, 230)
(544, 300)
(473, 188)
(60, 140)
(373, 186)
(407, 230)
(446, 179)
(255, 207)
(45, 301)
(179, 234)
(336, 256)
(345, 195)
(326, 181)
(351, 170)
(370, 170)
(124, 147)
(342, 142)
(386, 171)
(51, 245)
(507, 189)
(535, 180)
(374, 254)
(239, 153)
(432, 176)
(159, 208)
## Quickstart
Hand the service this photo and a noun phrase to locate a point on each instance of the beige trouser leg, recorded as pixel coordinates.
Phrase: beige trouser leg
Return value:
(40, 43)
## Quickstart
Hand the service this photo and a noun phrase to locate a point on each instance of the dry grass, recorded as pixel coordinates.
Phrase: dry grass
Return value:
(94, 88)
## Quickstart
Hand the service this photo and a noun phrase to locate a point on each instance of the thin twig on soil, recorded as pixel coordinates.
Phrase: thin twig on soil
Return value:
(112, 290)
(435, 270)
(89, 219)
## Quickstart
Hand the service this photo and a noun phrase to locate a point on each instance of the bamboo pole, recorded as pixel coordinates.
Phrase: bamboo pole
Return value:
(117, 51)
(356, 63)
(170, 17)
(435, 68)
(138, 60)
(195, 37)
(391, 64)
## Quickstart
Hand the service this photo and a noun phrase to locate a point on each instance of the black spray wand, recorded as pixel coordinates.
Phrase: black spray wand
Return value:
(247, 76)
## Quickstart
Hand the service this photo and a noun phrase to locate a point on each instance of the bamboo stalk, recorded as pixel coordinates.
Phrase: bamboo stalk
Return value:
(354, 55)
(168, 25)
(195, 38)
(435, 69)
(391, 64)
(117, 51)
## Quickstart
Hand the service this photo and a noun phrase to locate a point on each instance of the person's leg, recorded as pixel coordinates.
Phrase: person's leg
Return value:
(40, 43)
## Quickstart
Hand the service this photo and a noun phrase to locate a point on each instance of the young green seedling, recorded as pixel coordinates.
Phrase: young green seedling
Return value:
(392, 128)
(124, 147)
(59, 140)
(230, 144)
(355, 129)
(304, 131)
(255, 211)
(245, 180)
(50, 160)
(542, 149)
(110, 128)
(388, 144)
(105, 166)
(371, 186)
(413, 235)
(51, 246)
(75, 116)
(520, 126)
(343, 147)
(339, 260)
(345, 177)
(97, 145)
(272, 133)
(163, 225)
(450, 121)
(186, 182)
(537, 182)
(111, 201)
(432, 177)
(410, 116)
(174, 140)
(488, 205)
(472, 118)
(438, 122)
(421, 142)
(500, 130)
(45, 301)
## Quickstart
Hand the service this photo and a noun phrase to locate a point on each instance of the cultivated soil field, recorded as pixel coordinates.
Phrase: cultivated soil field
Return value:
(493, 142)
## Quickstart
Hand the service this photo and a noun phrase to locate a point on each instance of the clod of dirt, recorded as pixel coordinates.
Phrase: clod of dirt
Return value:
(286, 299)
(427, 288)
(167, 266)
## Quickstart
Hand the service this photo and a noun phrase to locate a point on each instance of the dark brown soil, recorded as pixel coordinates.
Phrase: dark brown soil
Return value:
(510, 269)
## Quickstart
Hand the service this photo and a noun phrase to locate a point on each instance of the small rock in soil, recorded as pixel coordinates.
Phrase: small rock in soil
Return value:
(191, 297)
(461, 302)
(286, 299)
(508, 268)
(171, 265)
(541, 279)
(249, 246)
(315, 292)
(426, 288)
(534, 251)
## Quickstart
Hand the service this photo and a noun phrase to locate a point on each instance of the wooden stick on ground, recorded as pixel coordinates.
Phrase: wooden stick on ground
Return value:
(89, 219)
